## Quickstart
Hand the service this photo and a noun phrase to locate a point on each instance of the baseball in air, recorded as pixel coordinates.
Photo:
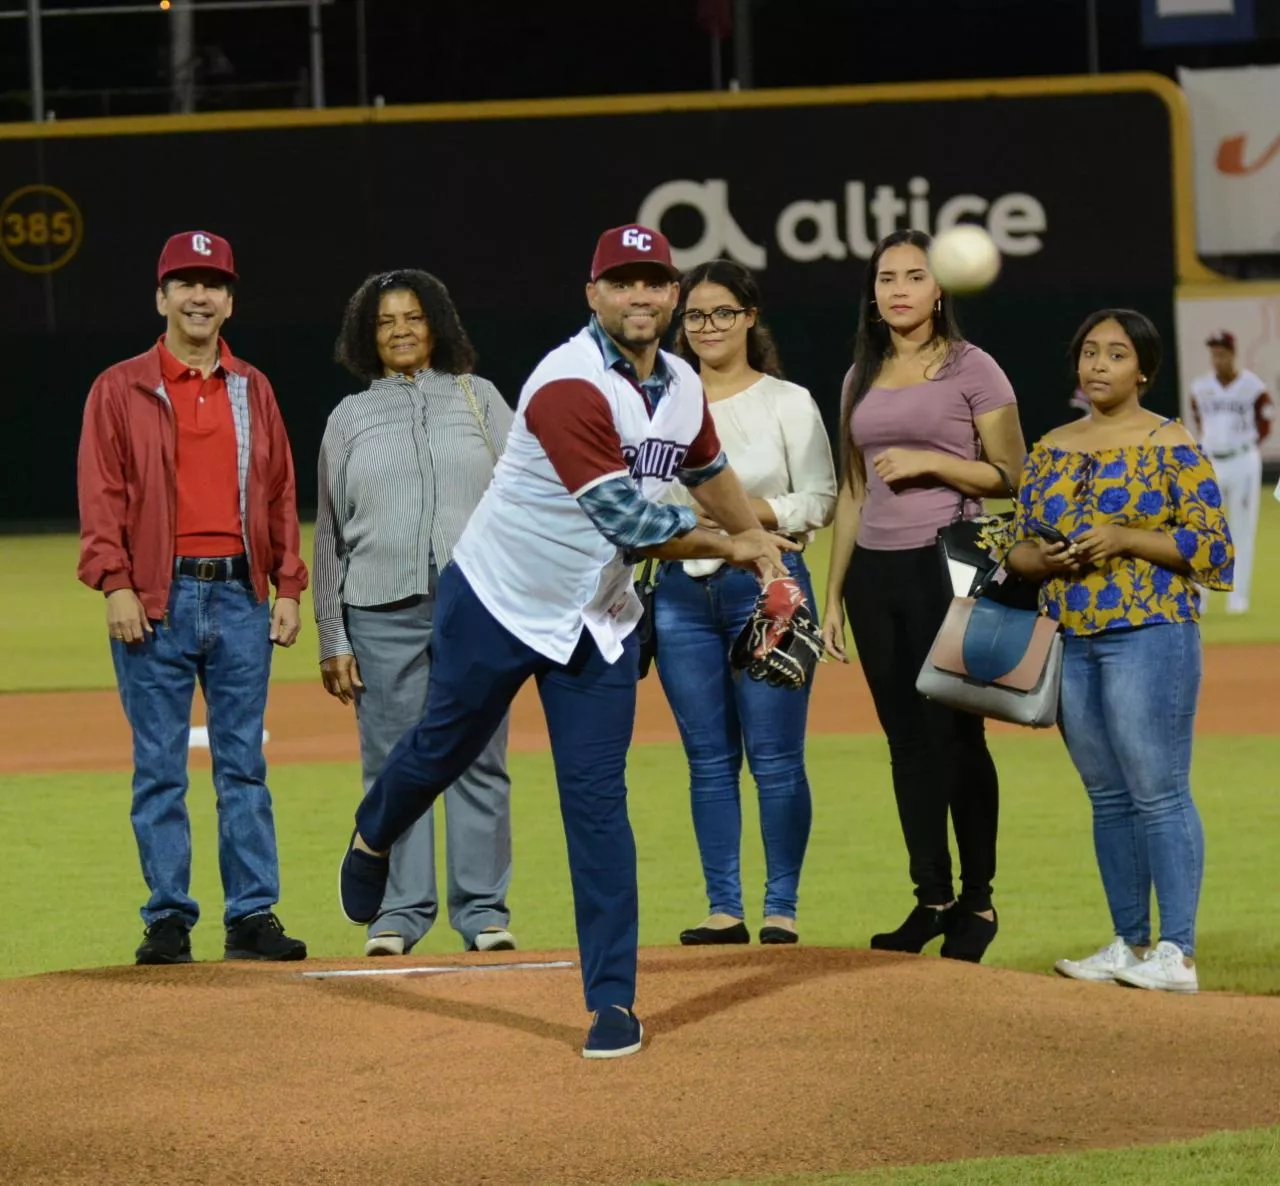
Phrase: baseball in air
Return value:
(964, 258)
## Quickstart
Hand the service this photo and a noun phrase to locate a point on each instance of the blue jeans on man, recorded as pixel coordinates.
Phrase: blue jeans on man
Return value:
(1128, 713)
(720, 715)
(218, 634)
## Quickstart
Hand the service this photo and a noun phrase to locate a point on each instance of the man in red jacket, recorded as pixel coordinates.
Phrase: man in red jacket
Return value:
(187, 514)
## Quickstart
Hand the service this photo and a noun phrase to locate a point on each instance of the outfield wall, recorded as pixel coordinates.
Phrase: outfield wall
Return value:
(1084, 182)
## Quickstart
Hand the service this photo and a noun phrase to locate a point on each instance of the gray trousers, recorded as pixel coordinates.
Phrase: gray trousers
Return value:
(391, 648)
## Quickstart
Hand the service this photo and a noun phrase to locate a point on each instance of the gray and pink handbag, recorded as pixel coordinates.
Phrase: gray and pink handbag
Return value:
(995, 661)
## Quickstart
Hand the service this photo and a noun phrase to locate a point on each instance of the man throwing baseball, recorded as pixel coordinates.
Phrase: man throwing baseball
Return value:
(541, 586)
(1233, 415)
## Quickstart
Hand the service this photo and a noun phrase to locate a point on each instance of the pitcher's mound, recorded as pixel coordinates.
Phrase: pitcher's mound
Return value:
(756, 1061)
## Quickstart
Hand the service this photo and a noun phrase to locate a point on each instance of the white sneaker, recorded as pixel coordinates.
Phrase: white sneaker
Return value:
(1163, 969)
(387, 943)
(494, 939)
(1102, 966)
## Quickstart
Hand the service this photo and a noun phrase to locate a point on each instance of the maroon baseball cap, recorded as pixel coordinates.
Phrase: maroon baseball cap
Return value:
(196, 249)
(632, 244)
(1223, 338)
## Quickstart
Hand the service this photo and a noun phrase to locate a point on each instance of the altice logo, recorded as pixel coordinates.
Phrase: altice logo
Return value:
(808, 230)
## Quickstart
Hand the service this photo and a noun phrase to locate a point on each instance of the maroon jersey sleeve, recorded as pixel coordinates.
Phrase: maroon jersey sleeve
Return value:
(573, 423)
(1264, 415)
(706, 445)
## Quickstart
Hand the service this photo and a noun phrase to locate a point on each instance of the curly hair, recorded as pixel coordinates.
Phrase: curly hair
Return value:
(357, 344)
(762, 354)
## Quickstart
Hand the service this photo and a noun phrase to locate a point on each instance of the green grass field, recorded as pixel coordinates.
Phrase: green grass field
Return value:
(71, 651)
(70, 835)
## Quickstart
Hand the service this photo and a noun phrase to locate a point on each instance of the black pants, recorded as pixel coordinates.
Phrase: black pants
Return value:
(895, 603)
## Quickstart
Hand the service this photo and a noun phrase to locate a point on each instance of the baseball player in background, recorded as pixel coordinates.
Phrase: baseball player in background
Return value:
(541, 586)
(1233, 414)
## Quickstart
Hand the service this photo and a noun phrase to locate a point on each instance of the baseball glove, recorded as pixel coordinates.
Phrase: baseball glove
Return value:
(780, 643)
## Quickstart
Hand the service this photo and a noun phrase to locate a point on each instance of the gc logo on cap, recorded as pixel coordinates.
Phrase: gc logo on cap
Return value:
(632, 244)
(196, 249)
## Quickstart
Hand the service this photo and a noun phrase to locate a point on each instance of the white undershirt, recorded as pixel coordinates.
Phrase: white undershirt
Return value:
(775, 440)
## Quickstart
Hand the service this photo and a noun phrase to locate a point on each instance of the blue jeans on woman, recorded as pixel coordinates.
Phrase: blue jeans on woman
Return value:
(1128, 711)
(719, 714)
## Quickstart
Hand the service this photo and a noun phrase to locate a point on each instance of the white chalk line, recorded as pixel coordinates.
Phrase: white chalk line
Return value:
(437, 970)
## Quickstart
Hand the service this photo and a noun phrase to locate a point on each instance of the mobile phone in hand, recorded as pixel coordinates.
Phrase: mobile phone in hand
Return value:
(1050, 535)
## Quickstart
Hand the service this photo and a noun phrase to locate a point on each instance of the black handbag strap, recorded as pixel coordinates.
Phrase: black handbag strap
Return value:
(650, 574)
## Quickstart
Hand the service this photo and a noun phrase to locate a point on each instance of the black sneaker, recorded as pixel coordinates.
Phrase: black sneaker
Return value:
(167, 941)
(261, 937)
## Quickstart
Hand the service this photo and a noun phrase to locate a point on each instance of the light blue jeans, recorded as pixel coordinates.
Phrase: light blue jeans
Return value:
(1128, 711)
(217, 632)
(720, 714)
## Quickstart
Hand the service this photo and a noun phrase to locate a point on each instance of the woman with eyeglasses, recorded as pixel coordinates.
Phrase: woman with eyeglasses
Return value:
(775, 440)
(1120, 517)
(928, 428)
(402, 466)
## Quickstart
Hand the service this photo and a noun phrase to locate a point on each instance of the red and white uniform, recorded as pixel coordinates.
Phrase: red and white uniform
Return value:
(1231, 420)
(531, 554)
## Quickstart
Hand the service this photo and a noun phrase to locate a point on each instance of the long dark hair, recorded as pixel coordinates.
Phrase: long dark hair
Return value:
(1144, 336)
(872, 345)
(762, 354)
(357, 344)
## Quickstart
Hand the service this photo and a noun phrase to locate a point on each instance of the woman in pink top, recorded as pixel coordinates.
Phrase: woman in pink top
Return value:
(926, 420)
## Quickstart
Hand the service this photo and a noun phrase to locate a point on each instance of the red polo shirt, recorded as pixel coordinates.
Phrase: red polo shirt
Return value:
(208, 479)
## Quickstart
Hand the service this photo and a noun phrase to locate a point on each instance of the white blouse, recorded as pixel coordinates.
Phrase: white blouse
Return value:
(775, 440)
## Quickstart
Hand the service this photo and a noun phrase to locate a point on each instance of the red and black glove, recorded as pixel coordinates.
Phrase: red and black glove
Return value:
(780, 643)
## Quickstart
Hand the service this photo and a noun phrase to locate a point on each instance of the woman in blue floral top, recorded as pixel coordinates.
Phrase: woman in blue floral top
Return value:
(1139, 513)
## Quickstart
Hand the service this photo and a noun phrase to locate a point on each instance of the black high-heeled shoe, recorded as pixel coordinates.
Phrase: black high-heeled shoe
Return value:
(968, 935)
(923, 924)
(709, 936)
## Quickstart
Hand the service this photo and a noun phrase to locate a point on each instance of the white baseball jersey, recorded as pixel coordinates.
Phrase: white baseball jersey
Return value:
(534, 558)
(1227, 415)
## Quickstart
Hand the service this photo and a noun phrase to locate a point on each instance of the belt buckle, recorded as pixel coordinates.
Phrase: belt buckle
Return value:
(206, 570)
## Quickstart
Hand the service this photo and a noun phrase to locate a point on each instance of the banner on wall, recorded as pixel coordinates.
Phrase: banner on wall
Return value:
(1251, 314)
(1235, 119)
(506, 210)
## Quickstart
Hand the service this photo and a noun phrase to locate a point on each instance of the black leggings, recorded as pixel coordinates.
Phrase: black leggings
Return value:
(895, 603)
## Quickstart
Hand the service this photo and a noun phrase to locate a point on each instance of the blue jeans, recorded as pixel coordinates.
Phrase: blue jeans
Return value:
(1128, 710)
(477, 667)
(719, 714)
(216, 632)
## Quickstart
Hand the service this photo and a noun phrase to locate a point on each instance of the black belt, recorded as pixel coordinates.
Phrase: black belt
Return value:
(220, 568)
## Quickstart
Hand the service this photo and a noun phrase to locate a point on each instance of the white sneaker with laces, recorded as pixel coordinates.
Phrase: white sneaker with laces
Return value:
(1101, 967)
(1163, 969)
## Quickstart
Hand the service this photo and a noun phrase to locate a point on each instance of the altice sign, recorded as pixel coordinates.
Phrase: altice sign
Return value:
(809, 229)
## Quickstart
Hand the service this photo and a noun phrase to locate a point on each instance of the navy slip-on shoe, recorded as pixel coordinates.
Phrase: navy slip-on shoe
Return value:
(362, 884)
(614, 1033)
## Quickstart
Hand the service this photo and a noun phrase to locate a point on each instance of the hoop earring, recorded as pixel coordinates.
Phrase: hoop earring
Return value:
(874, 316)
(937, 306)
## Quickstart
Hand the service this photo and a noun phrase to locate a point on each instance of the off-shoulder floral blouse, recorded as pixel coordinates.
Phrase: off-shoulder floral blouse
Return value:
(1162, 487)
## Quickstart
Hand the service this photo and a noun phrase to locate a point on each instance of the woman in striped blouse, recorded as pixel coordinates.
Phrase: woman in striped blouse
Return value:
(402, 466)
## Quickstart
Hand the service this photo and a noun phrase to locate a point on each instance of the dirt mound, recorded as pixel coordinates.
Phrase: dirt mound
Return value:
(757, 1061)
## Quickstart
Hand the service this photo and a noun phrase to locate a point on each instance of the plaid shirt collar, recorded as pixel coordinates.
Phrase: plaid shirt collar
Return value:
(654, 387)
